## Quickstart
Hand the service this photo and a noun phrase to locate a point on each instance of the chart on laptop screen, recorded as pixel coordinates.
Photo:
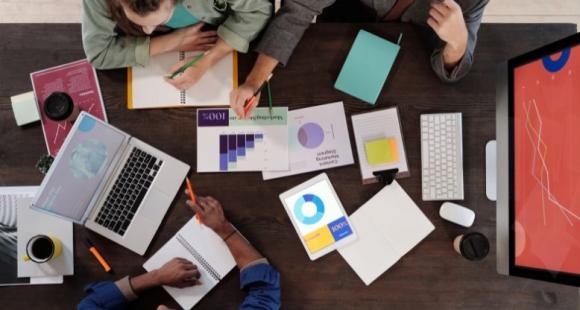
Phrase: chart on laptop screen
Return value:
(547, 162)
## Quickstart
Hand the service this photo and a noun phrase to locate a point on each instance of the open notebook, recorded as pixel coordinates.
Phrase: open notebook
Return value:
(199, 244)
(147, 89)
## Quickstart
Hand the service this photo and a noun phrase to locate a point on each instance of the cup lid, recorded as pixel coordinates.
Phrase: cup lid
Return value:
(474, 246)
(58, 106)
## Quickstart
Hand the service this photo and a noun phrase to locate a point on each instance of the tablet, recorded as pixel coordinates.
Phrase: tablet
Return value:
(318, 216)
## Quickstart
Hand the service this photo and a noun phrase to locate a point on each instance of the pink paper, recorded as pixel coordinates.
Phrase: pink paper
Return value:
(79, 80)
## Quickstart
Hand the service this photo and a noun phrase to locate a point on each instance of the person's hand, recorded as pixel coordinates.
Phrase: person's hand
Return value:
(239, 97)
(193, 39)
(178, 272)
(191, 75)
(211, 215)
(446, 19)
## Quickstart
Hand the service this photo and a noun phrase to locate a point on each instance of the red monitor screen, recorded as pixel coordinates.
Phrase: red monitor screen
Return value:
(547, 162)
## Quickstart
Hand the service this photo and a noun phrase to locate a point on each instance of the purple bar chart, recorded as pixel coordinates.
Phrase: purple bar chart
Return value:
(235, 147)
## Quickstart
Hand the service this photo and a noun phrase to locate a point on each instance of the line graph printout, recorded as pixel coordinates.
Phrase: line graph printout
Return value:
(226, 143)
(547, 162)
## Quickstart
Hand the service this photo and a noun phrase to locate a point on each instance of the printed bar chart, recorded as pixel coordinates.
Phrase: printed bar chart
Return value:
(234, 147)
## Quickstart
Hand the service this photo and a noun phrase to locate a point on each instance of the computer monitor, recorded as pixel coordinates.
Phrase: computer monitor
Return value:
(538, 163)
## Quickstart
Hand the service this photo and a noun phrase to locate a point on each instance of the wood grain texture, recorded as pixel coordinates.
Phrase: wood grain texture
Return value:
(431, 276)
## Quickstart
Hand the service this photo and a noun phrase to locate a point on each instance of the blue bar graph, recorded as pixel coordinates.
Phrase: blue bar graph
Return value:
(234, 147)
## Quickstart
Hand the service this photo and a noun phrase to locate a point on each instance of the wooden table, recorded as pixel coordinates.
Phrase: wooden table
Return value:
(431, 276)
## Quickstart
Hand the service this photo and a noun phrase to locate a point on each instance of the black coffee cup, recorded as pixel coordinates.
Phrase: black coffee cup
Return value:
(42, 248)
(59, 106)
(473, 246)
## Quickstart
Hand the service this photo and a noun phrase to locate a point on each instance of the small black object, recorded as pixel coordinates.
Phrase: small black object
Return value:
(386, 176)
(474, 246)
(58, 106)
(44, 163)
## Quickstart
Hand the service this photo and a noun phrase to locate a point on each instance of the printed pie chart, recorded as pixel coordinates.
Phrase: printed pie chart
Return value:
(304, 201)
(310, 135)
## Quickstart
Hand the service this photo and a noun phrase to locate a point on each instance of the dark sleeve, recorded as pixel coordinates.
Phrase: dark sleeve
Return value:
(472, 13)
(262, 283)
(287, 27)
(107, 295)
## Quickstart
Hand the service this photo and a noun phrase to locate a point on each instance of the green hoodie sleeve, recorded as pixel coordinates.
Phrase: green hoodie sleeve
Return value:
(245, 21)
(105, 48)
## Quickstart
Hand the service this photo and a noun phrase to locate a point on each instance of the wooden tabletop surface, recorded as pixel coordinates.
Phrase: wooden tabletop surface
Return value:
(431, 276)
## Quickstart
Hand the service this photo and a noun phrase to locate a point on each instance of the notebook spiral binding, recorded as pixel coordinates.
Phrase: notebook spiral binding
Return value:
(204, 264)
(182, 99)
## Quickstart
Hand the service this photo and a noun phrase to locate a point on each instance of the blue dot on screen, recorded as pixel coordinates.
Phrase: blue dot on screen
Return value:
(87, 124)
(556, 65)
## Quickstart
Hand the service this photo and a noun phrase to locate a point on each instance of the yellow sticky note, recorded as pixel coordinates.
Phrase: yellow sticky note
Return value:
(318, 239)
(382, 151)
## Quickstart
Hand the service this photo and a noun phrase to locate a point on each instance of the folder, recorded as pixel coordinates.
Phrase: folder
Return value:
(367, 66)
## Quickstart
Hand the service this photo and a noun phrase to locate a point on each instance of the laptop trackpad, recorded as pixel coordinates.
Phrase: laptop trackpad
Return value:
(155, 205)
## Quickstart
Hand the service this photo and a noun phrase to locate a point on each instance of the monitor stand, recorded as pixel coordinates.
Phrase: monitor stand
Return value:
(491, 170)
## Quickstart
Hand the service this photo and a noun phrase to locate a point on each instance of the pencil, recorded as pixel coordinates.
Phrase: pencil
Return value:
(250, 102)
(187, 65)
(192, 197)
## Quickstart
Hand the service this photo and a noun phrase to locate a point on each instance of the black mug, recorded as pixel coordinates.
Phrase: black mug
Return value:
(473, 246)
(59, 106)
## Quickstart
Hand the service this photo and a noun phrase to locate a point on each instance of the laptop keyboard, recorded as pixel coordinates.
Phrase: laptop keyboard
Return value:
(127, 193)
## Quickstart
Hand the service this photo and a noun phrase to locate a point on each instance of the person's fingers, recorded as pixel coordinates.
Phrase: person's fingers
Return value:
(181, 260)
(196, 28)
(441, 8)
(188, 265)
(206, 41)
(433, 24)
(204, 47)
(178, 65)
(433, 13)
(192, 274)
(451, 4)
(210, 33)
(196, 208)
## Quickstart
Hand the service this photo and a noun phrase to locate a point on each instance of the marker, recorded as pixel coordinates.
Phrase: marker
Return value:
(97, 255)
(187, 65)
(192, 197)
(399, 39)
(250, 102)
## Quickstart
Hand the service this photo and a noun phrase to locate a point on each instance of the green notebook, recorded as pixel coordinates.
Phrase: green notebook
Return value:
(367, 66)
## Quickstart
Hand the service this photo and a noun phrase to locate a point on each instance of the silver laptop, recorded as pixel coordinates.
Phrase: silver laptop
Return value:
(114, 184)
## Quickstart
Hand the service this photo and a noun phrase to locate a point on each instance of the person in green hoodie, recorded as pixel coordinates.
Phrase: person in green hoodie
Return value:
(125, 33)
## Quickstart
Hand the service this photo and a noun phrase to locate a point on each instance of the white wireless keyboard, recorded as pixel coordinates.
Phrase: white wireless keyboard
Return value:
(442, 156)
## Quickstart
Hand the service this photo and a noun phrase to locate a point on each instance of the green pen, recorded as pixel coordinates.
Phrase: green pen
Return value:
(187, 65)
(269, 98)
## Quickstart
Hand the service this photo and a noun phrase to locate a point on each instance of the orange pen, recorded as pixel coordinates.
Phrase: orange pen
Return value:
(192, 196)
(98, 255)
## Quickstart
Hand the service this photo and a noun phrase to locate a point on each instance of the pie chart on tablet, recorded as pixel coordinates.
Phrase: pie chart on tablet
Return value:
(310, 135)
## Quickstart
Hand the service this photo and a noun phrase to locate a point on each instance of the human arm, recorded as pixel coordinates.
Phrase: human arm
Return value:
(192, 74)
(245, 19)
(257, 277)
(106, 49)
(178, 272)
(276, 45)
(456, 27)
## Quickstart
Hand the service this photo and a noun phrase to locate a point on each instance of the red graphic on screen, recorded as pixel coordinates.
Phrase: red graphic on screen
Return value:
(547, 162)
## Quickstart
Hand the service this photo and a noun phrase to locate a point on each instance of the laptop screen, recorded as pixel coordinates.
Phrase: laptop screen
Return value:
(79, 168)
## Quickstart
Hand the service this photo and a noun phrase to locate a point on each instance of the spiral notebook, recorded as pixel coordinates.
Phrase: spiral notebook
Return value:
(147, 89)
(202, 246)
